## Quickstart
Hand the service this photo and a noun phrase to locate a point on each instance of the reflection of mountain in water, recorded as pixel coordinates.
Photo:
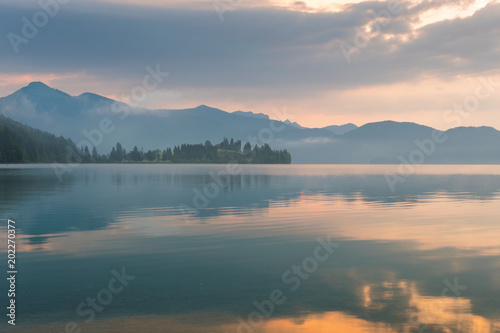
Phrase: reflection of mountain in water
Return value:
(261, 223)
(92, 197)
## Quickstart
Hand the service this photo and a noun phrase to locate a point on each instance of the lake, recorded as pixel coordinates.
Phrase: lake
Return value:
(279, 248)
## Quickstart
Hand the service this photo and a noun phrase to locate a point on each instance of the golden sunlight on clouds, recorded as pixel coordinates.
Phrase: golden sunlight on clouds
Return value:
(314, 5)
(427, 101)
(446, 11)
(452, 10)
(449, 10)
(17, 81)
(71, 82)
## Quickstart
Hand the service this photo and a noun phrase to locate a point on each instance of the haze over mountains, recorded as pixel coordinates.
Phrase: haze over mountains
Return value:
(91, 117)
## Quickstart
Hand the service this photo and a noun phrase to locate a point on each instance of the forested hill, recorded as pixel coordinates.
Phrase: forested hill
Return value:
(23, 144)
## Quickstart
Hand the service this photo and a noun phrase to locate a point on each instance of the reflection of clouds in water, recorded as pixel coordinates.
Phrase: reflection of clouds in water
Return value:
(95, 197)
(418, 236)
(452, 313)
(354, 220)
(442, 313)
(370, 286)
(325, 323)
(151, 222)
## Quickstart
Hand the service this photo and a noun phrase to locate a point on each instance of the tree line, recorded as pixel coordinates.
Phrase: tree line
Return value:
(23, 144)
(223, 152)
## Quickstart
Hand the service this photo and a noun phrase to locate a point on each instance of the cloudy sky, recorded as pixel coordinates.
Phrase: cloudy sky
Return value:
(325, 61)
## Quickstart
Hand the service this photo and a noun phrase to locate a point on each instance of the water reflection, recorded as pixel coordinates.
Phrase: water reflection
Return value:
(93, 197)
(203, 272)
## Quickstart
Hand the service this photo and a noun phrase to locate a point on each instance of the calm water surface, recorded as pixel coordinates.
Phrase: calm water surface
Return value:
(210, 251)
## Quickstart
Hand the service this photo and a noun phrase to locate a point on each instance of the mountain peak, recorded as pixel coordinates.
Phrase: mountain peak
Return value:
(294, 124)
(341, 129)
(39, 89)
(38, 85)
(203, 106)
(390, 130)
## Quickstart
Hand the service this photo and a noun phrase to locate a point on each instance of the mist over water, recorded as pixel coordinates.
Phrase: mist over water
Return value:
(425, 257)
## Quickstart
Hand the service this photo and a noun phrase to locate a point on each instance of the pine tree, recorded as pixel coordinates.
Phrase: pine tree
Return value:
(95, 155)
(135, 155)
(86, 155)
(247, 149)
(119, 152)
(112, 155)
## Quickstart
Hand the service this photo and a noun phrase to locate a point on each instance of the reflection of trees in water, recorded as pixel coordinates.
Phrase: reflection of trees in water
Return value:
(92, 197)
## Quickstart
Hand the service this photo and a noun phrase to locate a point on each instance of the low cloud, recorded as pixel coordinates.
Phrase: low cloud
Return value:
(261, 51)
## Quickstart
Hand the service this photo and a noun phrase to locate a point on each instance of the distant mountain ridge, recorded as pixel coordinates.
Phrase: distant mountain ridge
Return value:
(52, 110)
(341, 129)
(251, 114)
(80, 118)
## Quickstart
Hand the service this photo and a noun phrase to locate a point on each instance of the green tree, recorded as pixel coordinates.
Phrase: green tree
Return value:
(150, 155)
(247, 149)
(135, 155)
(112, 155)
(95, 155)
(86, 158)
(119, 152)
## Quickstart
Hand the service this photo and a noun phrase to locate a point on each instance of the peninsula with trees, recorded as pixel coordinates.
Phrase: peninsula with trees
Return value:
(23, 144)
(227, 151)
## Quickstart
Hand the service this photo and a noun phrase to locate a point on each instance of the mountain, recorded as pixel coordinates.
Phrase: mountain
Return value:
(478, 144)
(251, 114)
(341, 129)
(79, 118)
(294, 124)
(390, 142)
(22, 144)
(90, 119)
